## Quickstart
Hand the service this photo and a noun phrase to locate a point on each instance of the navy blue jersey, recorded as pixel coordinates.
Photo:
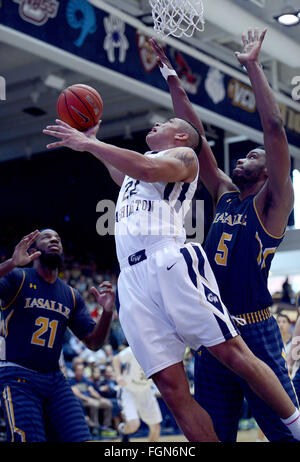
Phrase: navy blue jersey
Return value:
(35, 316)
(240, 252)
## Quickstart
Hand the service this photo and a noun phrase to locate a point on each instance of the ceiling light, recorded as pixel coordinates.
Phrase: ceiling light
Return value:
(288, 19)
(289, 16)
(53, 81)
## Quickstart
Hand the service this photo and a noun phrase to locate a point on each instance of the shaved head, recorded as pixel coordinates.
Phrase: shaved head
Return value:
(174, 132)
(194, 137)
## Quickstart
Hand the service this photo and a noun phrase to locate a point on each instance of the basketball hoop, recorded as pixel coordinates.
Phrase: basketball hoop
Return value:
(177, 17)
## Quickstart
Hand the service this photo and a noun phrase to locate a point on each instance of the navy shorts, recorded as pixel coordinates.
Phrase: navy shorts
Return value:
(222, 393)
(40, 407)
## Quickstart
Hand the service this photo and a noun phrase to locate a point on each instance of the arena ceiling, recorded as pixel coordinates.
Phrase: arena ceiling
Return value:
(26, 69)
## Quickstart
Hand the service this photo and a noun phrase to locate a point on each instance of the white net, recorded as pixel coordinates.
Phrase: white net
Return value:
(177, 17)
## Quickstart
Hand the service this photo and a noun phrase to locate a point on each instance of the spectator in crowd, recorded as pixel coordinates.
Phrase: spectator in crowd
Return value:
(284, 324)
(75, 271)
(81, 285)
(96, 379)
(108, 386)
(116, 336)
(287, 292)
(109, 353)
(92, 402)
(91, 303)
(88, 356)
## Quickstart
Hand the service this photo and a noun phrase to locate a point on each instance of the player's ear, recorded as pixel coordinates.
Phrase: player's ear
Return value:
(181, 136)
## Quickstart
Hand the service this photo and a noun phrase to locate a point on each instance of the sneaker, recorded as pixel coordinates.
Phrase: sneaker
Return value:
(244, 424)
(95, 431)
(124, 437)
(110, 432)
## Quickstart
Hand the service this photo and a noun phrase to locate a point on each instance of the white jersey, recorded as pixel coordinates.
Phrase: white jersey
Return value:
(168, 295)
(147, 213)
(133, 374)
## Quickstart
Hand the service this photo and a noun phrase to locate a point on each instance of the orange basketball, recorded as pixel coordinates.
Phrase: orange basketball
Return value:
(80, 106)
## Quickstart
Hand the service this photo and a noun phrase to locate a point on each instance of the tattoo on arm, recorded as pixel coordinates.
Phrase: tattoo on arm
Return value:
(186, 158)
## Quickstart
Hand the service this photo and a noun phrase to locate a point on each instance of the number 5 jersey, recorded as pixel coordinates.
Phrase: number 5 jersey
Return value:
(240, 251)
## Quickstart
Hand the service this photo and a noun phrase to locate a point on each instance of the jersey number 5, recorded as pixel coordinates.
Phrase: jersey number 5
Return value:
(44, 323)
(222, 250)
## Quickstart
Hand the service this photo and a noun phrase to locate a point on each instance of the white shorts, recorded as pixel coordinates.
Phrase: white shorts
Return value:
(142, 405)
(170, 300)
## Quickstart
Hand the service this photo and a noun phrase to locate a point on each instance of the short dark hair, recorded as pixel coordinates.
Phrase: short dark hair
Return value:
(33, 245)
(283, 315)
(200, 142)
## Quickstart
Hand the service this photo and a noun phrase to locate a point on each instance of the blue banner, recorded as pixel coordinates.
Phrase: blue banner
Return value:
(87, 32)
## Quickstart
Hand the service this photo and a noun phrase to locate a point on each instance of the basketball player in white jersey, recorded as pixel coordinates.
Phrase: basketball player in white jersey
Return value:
(137, 397)
(168, 295)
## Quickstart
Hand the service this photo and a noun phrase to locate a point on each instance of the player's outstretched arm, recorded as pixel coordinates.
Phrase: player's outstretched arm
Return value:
(116, 175)
(105, 297)
(279, 186)
(169, 168)
(91, 134)
(213, 178)
(183, 108)
(125, 161)
(21, 256)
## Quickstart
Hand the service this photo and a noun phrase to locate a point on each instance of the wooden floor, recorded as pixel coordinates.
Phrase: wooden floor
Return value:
(243, 436)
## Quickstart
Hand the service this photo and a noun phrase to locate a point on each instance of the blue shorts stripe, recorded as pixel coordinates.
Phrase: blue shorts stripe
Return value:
(189, 263)
(211, 298)
(217, 304)
(200, 261)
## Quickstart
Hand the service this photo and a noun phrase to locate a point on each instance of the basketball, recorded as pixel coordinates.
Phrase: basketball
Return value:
(80, 106)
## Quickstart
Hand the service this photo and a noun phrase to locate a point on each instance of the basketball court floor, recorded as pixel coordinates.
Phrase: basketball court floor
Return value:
(248, 436)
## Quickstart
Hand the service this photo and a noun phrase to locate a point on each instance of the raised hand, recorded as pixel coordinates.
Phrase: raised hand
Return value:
(161, 56)
(105, 296)
(70, 137)
(21, 256)
(252, 45)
